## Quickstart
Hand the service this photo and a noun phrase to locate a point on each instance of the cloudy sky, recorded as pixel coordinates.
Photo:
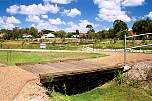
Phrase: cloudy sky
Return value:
(70, 15)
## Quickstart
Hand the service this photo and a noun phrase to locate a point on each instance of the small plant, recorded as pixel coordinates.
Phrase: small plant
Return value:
(120, 79)
(50, 78)
(50, 86)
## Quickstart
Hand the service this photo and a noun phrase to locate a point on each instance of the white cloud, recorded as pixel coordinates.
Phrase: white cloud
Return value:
(8, 22)
(13, 9)
(52, 24)
(56, 21)
(44, 16)
(81, 26)
(33, 9)
(59, 1)
(110, 10)
(45, 25)
(150, 14)
(132, 2)
(72, 12)
(11, 20)
(33, 18)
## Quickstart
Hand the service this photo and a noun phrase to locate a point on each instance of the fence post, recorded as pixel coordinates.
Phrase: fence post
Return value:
(125, 50)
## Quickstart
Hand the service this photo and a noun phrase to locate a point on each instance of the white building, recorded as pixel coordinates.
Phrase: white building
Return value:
(50, 35)
(27, 36)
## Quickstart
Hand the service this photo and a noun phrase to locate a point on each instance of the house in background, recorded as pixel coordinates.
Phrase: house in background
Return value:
(27, 36)
(49, 35)
(75, 36)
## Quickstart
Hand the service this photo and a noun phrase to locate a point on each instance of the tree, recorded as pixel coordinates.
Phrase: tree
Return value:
(90, 28)
(142, 26)
(45, 31)
(15, 33)
(121, 34)
(110, 33)
(34, 32)
(61, 34)
(77, 32)
(119, 26)
(6, 35)
(69, 35)
(92, 35)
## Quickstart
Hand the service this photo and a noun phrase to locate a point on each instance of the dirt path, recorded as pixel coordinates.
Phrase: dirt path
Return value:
(116, 58)
(12, 80)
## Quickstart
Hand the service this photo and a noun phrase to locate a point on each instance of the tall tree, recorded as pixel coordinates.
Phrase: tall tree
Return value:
(15, 33)
(90, 28)
(60, 34)
(34, 32)
(119, 26)
(77, 33)
(142, 26)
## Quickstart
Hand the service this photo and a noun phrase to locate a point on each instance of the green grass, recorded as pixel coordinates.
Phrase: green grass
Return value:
(11, 58)
(109, 44)
(103, 44)
(111, 93)
(18, 45)
(64, 47)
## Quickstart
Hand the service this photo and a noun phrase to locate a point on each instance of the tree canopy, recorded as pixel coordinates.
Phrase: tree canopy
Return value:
(90, 28)
(142, 26)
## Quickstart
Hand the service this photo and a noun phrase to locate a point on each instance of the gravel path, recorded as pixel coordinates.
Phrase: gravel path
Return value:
(12, 80)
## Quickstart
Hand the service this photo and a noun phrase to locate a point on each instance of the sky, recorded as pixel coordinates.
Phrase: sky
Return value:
(70, 15)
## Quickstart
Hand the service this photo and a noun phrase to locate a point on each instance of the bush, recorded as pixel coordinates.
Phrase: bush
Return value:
(120, 79)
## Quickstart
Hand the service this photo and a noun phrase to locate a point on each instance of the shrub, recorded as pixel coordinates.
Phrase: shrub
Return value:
(120, 79)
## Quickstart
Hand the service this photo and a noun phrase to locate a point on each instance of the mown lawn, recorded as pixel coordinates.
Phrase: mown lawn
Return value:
(11, 58)
(111, 93)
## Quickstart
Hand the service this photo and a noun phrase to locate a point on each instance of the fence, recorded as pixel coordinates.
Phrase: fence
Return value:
(134, 47)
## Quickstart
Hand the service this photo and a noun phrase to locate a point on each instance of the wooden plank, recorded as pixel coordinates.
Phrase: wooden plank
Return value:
(82, 71)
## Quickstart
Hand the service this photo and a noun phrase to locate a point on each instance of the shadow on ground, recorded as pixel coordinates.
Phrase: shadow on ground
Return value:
(77, 84)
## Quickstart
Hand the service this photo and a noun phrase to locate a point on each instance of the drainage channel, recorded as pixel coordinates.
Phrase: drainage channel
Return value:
(79, 83)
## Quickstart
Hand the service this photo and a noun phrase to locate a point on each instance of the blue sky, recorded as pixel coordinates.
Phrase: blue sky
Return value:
(70, 15)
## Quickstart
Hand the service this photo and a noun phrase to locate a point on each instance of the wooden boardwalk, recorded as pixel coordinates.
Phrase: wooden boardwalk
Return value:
(65, 68)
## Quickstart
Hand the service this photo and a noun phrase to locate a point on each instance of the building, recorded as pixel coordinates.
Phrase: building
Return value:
(49, 35)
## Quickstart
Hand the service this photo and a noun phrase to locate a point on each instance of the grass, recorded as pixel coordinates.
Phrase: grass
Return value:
(11, 58)
(18, 45)
(103, 44)
(64, 47)
(110, 93)
(114, 90)
(109, 44)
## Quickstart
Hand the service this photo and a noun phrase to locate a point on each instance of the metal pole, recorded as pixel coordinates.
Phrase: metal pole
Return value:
(125, 50)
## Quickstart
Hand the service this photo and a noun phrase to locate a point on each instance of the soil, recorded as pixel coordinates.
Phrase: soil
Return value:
(117, 58)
